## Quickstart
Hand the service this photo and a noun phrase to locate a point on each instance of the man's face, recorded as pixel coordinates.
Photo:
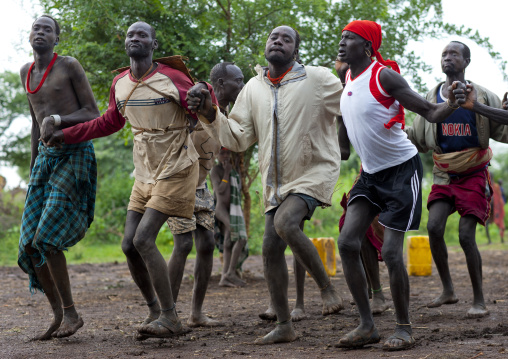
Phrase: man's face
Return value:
(43, 35)
(139, 42)
(351, 47)
(232, 83)
(452, 59)
(281, 47)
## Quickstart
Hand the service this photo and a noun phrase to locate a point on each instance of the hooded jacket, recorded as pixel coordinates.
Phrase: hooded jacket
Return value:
(294, 124)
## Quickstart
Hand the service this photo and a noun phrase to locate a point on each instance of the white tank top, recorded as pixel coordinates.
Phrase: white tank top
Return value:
(366, 108)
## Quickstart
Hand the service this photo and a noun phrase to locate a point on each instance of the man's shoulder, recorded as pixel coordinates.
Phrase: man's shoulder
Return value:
(174, 75)
(120, 76)
(480, 89)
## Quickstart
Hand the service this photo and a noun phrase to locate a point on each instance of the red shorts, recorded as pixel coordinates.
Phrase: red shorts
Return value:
(469, 194)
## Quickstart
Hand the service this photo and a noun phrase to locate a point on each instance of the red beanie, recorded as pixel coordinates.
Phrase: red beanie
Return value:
(371, 31)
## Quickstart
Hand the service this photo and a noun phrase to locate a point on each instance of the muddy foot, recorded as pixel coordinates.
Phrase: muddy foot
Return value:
(269, 314)
(283, 333)
(477, 311)
(70, 325)
(298, 314)
(378, 306)
(358, 338)
(332, 302)
(53, 327)
(231, 281)
(163, 328)
(400, 340)
(443, 299)
(203, 321)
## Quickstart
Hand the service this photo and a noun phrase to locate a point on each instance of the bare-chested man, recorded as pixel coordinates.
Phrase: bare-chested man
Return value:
(227, 82)
(151, 96)
(461, 155)
(61, 193)
(290, 110)
(389, 183)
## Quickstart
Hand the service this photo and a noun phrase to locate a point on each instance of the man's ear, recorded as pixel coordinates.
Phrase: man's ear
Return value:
(155, 44)
(221, 82)
(297, 51)
(57, 40)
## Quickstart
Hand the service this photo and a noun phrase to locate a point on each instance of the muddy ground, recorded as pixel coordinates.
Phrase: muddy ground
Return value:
(112, 308)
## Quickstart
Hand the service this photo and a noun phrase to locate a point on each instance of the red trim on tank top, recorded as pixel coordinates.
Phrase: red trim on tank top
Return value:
(374, 89)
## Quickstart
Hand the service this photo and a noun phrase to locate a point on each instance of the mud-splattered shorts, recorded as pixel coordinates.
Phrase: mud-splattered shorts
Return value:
(204, 214)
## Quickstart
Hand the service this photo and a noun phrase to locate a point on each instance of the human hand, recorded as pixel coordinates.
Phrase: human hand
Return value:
(227, 166)
(457, 93)
(341, 68)
(505, 101)
(470, 97)
(55, 140)
(47, 128)
(199, 101)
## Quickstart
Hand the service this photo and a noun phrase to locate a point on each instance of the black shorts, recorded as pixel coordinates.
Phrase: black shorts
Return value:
(397, 192)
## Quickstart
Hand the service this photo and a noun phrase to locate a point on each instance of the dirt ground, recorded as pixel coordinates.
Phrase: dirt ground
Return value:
(112, 308)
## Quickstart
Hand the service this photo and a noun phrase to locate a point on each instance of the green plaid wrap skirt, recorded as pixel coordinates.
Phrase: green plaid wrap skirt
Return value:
(60, 203)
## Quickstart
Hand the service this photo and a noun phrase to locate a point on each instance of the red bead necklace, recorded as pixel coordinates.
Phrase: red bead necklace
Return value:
(277, 80)
(43, 77)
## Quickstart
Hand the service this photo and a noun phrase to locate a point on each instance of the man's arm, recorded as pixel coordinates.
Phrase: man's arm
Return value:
(110, 122)
(344, 144)
(494, 114)
(34, 138)
(395, 85)
(220, 181)
(84, 95)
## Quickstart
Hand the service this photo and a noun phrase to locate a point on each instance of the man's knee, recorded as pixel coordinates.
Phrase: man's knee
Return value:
(128, 246)
(273, 245)
(286, 225)
(392, 256)
(205, 242)
(348, 245)
(467, 240)
(183, 243)
(436, 229)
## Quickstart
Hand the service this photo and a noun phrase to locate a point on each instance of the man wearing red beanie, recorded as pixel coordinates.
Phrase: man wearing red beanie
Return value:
(389, 184)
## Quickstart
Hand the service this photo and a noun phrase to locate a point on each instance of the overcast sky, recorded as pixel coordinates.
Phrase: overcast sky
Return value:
(487, 18)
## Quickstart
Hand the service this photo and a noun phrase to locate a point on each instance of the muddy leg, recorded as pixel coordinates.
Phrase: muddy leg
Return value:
(44, 277)
(287, 221)
(276, 275)
(438, 214)
(360, 214)
(371, 265)
(176, 265)
(137, 267)
(72, 321)
(205, 245)
(467, 238)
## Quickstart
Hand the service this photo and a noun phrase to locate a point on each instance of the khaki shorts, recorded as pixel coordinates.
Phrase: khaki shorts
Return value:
(204, 215)
(173, 196)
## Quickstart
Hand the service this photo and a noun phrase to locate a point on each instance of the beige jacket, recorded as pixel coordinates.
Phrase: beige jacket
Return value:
(423, 134)
(294, 124)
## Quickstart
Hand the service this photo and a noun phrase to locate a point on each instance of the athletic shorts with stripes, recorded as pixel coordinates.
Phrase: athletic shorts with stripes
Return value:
(396, 191)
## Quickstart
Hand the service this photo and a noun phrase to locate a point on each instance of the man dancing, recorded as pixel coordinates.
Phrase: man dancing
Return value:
(389, 184)
(461, 155)
(152, 97)
(60, 201)
(290, 110)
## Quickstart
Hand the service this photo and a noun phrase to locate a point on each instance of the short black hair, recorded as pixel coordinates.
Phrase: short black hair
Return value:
(219, 71)
(152, 30)
(57, 26)
(466, 52)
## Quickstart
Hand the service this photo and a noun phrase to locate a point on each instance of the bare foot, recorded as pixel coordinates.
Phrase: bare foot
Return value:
(477, 311)
(57, 320)
(332, 302)
(443, 299)
(269, 314)
(163, 328)
(203, 321)
(400, 340)
(231, 281)
(358, 337)
(70, 325)
(378, 305)
(298, 314)
(283, 333)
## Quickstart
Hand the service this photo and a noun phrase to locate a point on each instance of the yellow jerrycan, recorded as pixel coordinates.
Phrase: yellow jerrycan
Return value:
(419, 257)
(326, 249)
